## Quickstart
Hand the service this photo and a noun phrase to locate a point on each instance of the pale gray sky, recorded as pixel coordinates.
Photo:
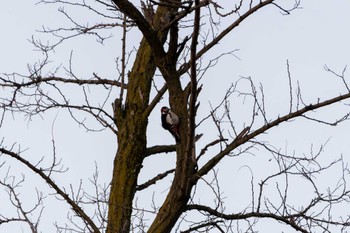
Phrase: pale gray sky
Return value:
(311, 37)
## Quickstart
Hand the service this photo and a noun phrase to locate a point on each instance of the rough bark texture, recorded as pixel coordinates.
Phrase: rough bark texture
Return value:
(173, 55)
(132, 127)
(132, 121)
(180, 190)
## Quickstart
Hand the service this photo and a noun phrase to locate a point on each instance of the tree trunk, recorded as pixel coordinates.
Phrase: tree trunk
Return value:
(180, 190)
(132, 122)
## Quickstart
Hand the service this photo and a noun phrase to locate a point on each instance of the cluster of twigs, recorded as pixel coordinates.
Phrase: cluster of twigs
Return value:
(40, 91)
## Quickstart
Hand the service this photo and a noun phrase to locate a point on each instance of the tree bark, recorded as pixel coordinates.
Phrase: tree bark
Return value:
(132, 125)
(132, 122)
(182, 185)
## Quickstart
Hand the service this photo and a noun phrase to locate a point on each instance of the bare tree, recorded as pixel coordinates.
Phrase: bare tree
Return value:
(176, 39)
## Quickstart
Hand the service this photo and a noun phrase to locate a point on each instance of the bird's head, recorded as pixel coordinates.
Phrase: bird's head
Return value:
(164, 110)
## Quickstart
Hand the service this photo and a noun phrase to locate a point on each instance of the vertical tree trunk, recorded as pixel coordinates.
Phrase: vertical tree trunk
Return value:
(132, 123)
(180, 190)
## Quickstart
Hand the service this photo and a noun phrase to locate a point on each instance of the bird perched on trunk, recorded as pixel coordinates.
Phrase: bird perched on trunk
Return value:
(170, 122)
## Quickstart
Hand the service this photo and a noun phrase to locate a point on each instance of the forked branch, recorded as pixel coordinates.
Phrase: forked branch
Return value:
(88, 221)
(244, 136)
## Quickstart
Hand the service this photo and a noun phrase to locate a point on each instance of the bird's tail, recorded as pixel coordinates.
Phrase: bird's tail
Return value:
(175, 132)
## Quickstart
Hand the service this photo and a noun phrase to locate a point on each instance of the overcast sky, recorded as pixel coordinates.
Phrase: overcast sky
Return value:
(309, 38)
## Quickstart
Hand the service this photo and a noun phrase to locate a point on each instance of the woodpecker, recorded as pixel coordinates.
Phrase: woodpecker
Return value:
(170, 122)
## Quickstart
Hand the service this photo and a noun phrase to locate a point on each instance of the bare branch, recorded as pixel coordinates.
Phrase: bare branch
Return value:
(156, 100)
(23, 215)
(40, 80)
(154, 180)
(90, 224)
(341, 76)
(285, 219)
(218, 38)
(290, 88)
(160, 149)
(246, 137)
(148, 32)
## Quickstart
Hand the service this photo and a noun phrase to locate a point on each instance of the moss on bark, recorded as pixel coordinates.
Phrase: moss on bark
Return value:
(132, 126)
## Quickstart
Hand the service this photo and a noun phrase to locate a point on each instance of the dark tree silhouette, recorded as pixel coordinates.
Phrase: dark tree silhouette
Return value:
(176, 38)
